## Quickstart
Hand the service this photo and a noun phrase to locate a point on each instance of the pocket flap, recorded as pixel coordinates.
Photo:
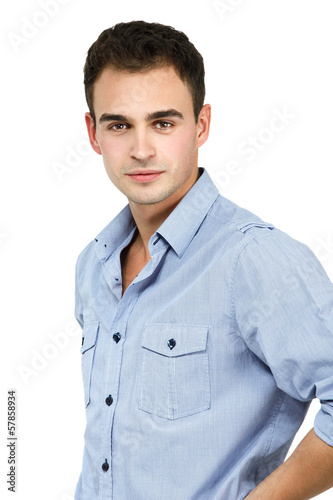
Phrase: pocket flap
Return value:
(89, 336)
(174, 339)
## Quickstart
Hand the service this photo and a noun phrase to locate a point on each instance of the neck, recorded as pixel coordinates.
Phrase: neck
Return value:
(148, 219)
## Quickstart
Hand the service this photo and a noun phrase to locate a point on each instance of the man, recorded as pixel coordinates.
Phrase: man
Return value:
(206, 331)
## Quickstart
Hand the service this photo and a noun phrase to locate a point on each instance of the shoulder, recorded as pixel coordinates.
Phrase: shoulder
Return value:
(242, 223)
(273, 258)
(261, 245)
(84, 257)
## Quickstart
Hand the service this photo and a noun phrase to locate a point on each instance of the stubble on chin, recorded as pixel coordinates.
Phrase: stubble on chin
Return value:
(149, 198)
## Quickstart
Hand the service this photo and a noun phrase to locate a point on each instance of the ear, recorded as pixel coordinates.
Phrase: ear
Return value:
(92, 133)
(203, 125)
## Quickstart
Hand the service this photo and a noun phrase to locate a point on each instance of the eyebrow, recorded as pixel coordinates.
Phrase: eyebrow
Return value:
(156, 115)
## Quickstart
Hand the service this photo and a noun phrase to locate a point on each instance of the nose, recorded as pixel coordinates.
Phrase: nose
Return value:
(142, 147)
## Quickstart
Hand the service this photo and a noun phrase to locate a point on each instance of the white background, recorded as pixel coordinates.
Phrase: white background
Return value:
(260, 55)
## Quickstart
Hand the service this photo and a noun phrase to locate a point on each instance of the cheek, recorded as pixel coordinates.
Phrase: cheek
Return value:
(180, 146)
(113, 151)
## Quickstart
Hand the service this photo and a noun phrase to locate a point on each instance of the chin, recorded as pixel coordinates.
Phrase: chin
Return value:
(149, 199)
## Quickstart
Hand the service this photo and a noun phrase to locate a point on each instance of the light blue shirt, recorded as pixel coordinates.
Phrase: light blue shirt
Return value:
(198, 377)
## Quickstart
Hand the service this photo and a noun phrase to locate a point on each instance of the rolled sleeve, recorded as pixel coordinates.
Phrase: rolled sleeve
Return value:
(283, 302)
(323, 425)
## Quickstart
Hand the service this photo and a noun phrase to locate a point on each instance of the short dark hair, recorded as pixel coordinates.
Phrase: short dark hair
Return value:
(140, 46)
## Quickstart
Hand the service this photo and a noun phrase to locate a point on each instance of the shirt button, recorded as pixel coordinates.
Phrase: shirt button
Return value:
(171, 343)
(105, 466)
(116, 337)
(109, 400)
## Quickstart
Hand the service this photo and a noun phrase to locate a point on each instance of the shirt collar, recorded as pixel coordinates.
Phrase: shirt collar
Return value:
(178, 229)
(184, 221)
(114, 234)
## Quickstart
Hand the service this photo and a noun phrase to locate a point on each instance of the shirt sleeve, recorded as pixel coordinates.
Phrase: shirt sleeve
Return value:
(283, 302)
(78, 299)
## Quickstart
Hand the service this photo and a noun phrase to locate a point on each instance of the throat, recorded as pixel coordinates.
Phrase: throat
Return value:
(133, 259)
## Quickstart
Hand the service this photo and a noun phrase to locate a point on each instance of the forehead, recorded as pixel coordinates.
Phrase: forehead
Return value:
(146, 91)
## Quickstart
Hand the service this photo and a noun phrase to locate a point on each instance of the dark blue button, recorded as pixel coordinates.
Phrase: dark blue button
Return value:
(171, 343)
(105, 466)
(109, 400)
(116, 337)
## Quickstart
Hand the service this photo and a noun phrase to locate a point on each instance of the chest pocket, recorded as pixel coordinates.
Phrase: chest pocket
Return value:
(174, 380)
(89, 339)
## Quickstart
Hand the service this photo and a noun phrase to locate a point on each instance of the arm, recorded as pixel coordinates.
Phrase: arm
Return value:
(284, 311)
(307, 473)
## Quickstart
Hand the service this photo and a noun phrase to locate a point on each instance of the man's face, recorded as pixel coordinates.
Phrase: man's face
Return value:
(147, 134)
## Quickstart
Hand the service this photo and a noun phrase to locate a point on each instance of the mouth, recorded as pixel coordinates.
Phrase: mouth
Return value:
(144, 175)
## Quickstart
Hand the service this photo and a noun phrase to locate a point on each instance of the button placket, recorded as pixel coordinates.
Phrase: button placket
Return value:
(113, 368)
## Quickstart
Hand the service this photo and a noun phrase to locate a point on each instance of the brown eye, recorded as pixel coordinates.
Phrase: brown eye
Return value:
(163, 125)
(118, 127)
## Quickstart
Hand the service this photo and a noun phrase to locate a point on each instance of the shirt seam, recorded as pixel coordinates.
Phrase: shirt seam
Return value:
(233, 285)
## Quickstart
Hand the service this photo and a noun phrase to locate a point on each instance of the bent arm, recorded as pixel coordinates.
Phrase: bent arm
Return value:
(307, 473)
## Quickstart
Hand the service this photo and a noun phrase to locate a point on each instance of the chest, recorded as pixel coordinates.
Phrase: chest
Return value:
(132, 262)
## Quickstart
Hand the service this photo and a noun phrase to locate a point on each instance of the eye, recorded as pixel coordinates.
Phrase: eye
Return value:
(163, 125)
(118, 127)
